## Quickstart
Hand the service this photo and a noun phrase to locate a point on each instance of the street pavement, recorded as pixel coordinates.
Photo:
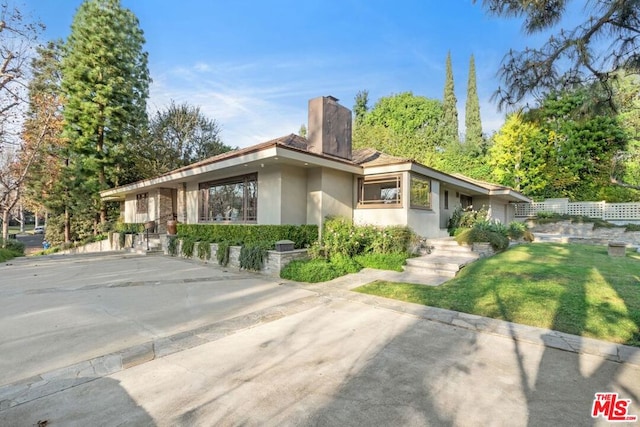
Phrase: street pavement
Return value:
(131, 340)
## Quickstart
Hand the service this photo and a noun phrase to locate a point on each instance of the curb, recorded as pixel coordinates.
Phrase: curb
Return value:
(51, 382)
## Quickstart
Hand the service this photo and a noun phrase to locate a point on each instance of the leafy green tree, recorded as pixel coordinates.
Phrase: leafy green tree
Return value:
(473, 124)
(625, 171)
(361, 106)
(105, 83)
(402, 125)
(559, 150)
(449, 107)
(607, 40)
(178, 136)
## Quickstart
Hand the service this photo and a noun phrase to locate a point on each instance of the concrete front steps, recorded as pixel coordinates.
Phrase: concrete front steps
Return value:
(445, 260)
(155, 245)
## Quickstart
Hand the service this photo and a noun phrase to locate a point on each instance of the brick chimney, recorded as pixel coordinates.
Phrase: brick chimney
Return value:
(329, 127)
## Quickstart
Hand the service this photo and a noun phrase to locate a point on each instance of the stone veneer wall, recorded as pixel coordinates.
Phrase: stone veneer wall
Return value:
(273, 264)
(585, 232)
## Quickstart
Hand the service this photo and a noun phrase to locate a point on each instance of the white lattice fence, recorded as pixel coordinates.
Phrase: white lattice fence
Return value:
(608, 211)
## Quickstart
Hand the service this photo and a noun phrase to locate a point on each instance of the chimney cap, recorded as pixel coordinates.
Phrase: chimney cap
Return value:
(332, 98)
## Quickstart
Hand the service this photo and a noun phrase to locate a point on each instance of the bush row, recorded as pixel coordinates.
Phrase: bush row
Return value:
(239, 235)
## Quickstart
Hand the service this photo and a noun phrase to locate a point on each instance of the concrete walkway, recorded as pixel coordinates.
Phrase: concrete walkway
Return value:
(299, 354)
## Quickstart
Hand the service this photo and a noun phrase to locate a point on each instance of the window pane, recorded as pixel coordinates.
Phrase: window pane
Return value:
(376, 190)
(420, 192)
(229, 200)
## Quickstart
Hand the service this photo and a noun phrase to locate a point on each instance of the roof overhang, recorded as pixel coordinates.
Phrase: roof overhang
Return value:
(242, 160)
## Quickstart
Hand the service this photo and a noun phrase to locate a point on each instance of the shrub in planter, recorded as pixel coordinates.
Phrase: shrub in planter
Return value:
(204, 250)
(222, 254)
(188, 244)
(252, 257)
(172, 245)
(14, 246)
(311, 271)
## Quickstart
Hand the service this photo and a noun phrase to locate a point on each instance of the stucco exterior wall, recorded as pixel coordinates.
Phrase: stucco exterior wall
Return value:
(131, 215)
(293, 185)
(191, 199)
(269, 196)
(329, 192)
(499, 210)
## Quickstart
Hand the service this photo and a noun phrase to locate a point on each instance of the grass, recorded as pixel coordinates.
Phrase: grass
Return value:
(320, 270)
(570, 288)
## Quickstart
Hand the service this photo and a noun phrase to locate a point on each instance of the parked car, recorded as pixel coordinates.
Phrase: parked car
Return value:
(38, 230)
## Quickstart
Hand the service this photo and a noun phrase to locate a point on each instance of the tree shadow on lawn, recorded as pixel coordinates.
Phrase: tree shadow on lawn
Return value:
(576, 311)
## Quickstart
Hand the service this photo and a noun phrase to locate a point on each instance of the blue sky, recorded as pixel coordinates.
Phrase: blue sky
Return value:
(253, 65)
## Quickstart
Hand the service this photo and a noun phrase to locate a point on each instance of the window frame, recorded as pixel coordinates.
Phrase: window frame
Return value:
(142, 203)
(428, 181)
(394, 203)
(206, 213)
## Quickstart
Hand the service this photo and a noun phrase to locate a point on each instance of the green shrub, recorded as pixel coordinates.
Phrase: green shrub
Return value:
(188, 245)
(241, 234)
(6, 255)
(252, 257)
(345, 264)
(632, 227)
(222, 254)
(14, 246)
(204, 250)
(516, 230)
(311, 271)
(392, 261)
(483, 234)
(172, 245)
(341, 236)
(128, 227)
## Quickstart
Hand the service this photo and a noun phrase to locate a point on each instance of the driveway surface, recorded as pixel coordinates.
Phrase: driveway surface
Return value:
(124, 340)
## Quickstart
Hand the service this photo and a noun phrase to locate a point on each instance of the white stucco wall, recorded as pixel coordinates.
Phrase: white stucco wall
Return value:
(499, 210)
(269, 196)
(131, 216)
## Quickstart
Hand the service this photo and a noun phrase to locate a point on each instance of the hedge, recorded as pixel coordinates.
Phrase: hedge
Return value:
(237, 234)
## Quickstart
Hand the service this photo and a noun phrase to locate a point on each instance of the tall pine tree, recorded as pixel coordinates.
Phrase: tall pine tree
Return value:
(449, 109)
(473, 125)
(106, 83)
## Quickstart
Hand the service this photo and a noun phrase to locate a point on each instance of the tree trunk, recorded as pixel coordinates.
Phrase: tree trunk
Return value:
(67, 225)
(5, 227)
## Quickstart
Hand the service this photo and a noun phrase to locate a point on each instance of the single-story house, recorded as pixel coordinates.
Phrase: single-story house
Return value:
(296, 180)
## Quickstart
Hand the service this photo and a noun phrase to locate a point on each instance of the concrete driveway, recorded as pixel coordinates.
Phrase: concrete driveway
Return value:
(118, 340)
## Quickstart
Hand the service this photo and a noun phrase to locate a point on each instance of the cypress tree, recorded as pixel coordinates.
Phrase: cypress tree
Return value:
(450, 111)
(473, 124)
(105, 80)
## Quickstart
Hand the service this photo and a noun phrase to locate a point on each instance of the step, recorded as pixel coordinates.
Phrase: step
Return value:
(453, 252)
(422, 271)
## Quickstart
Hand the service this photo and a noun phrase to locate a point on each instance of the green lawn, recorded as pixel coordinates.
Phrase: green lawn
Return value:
(571, 288)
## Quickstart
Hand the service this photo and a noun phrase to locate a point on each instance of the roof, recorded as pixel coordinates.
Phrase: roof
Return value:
(361, 158)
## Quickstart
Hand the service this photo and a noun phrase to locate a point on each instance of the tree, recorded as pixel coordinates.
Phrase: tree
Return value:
(44, 186)
(178, 136)
(361, 106)
(17, 39)
(559, 150)
(473, 124)
(105, 82)
(607, 40)
(449, 108)
(625, 170)
(302, 131)
(402, 125)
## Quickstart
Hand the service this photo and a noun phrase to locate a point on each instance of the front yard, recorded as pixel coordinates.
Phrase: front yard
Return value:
(570, 288)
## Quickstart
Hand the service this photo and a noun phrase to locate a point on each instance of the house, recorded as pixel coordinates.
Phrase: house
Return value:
(296, 180)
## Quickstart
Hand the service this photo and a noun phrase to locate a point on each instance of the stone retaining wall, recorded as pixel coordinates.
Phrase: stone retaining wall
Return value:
(585, 231)
(273, 263)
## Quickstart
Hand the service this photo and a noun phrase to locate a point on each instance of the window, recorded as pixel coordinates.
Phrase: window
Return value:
(142, 203)
(233, 199)
(446, 200)
(383, 191)
(420, 195)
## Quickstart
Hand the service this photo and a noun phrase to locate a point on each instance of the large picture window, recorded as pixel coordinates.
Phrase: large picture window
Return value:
(231, 200)
(380, 191)
(420, 193)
